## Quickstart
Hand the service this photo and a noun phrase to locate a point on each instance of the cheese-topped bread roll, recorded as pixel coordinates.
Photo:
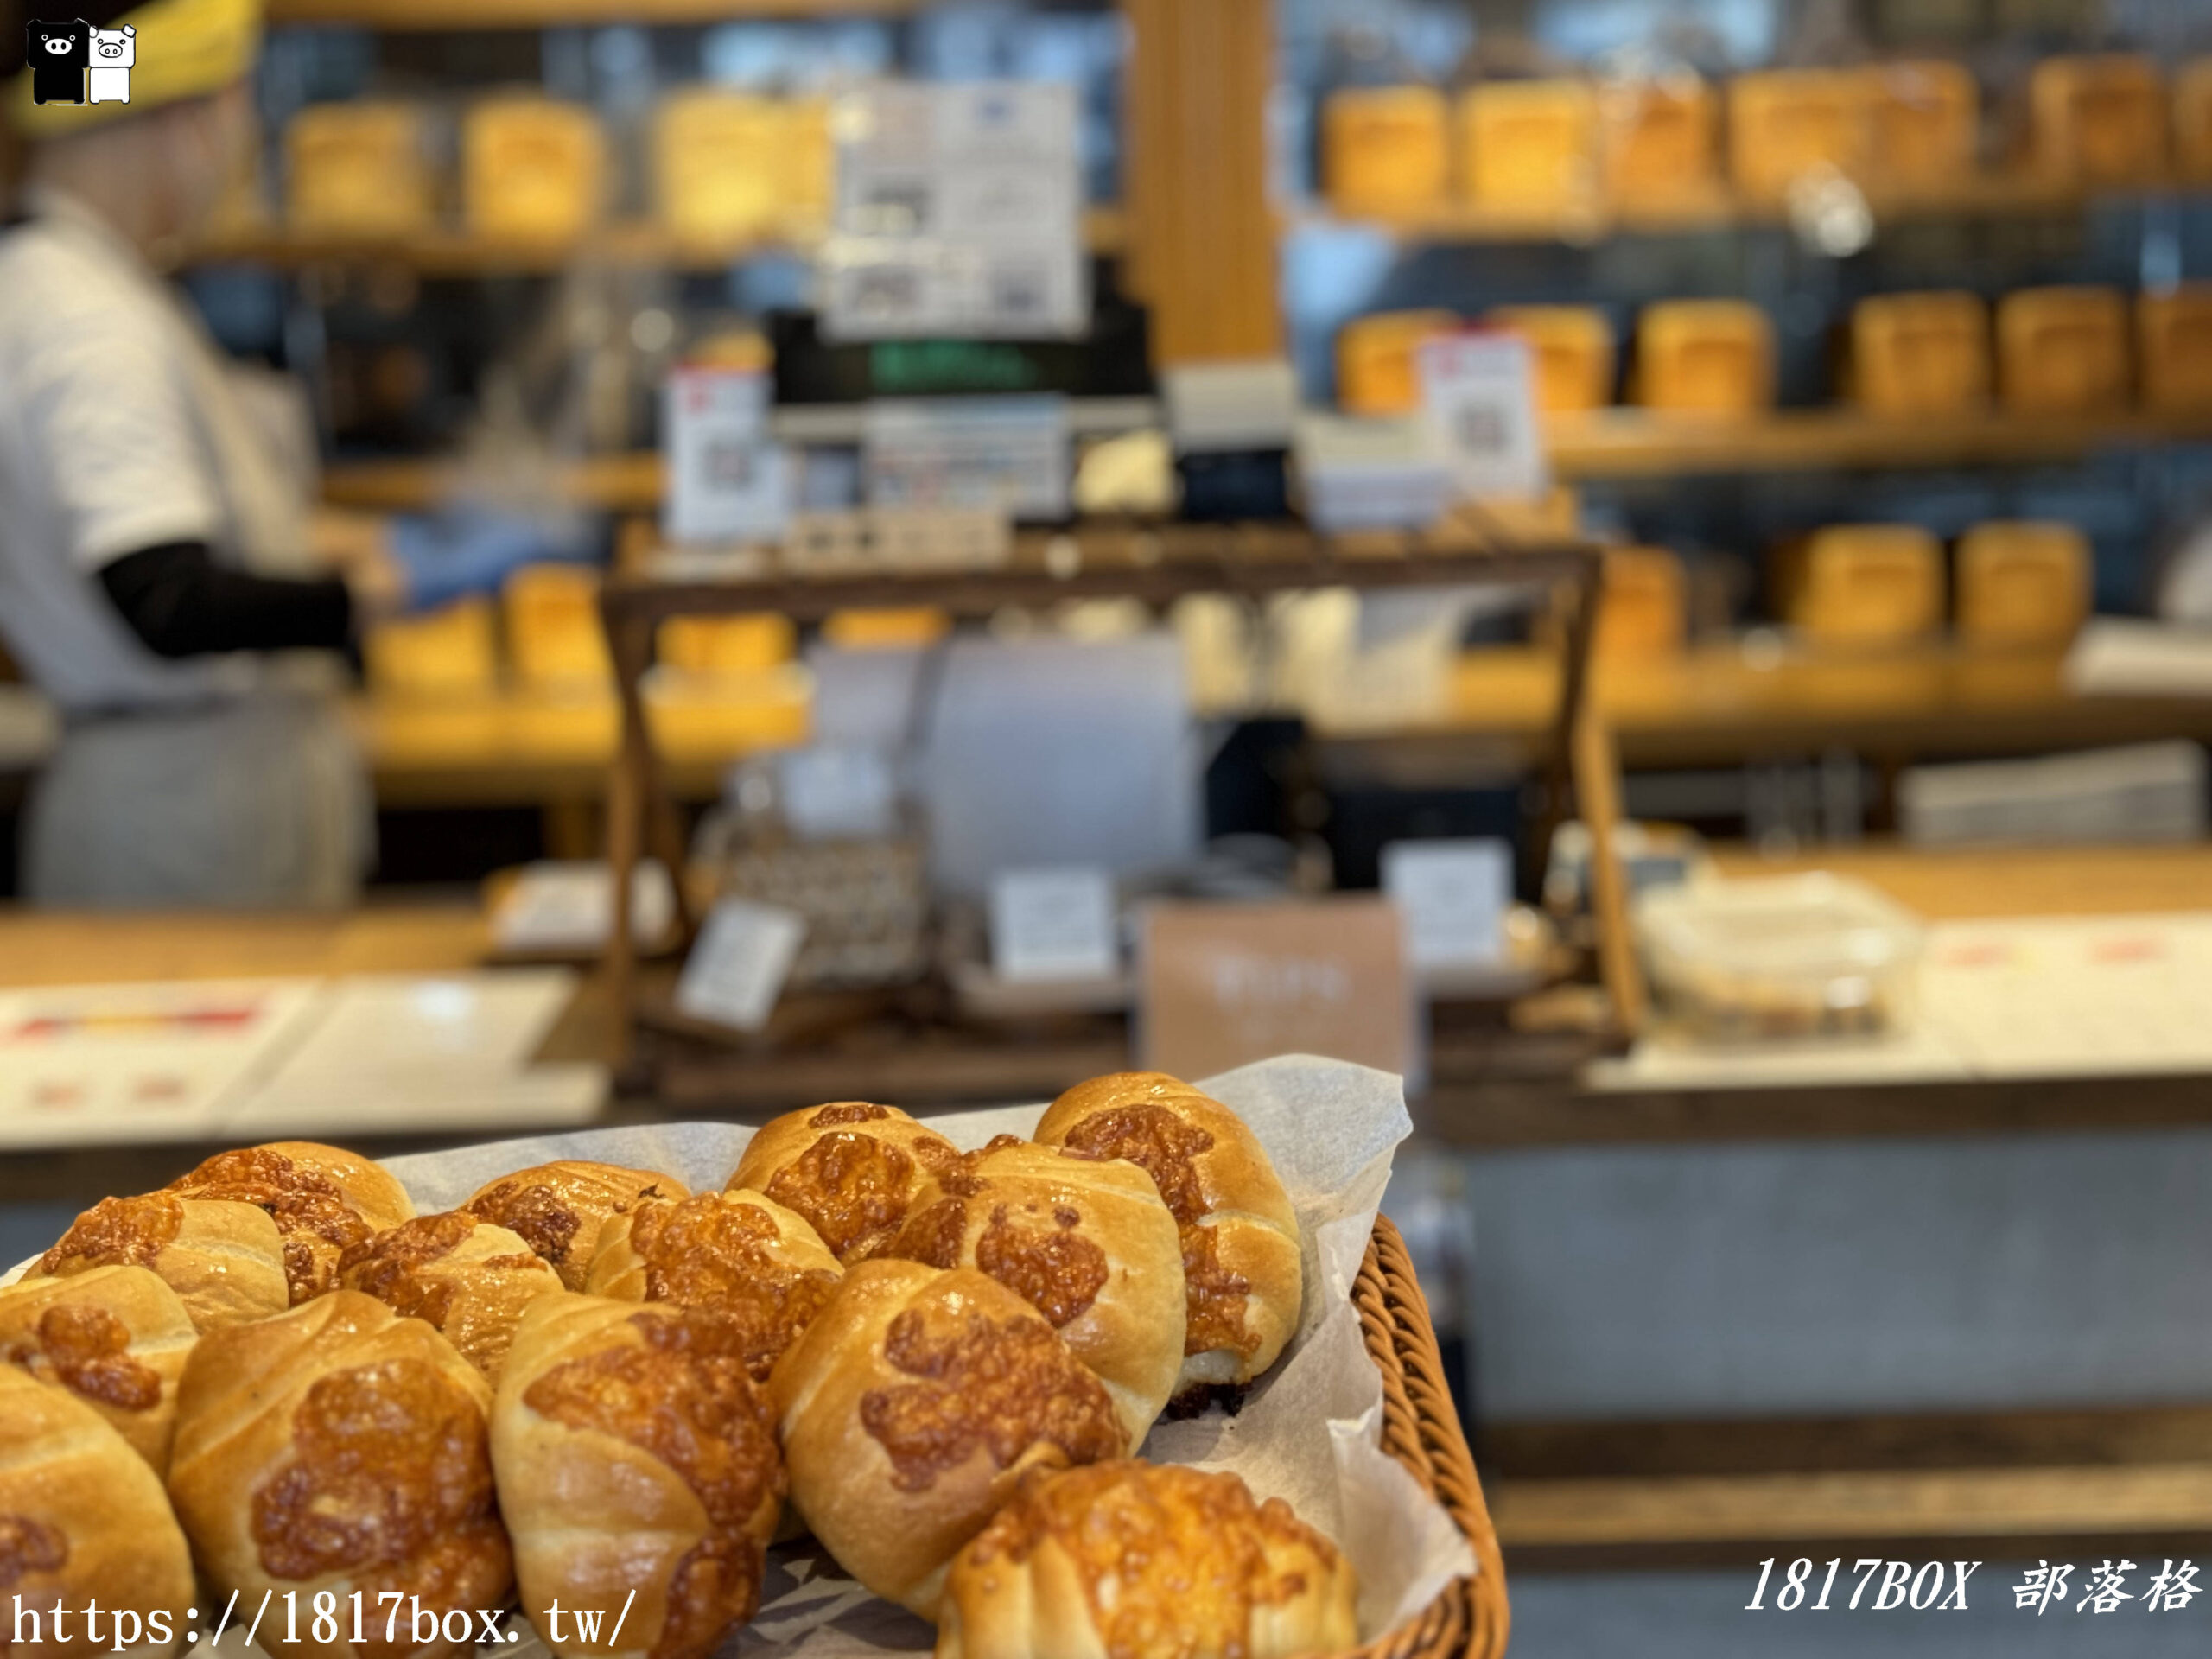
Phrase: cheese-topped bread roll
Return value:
(851, 1168)
(736, 1253)
(467, 1277)
(639, 1476)
(225, 1259)
(1242, 1275)
(82, 1518)
(558, 1209)
(1084, 1241)
(322, 1199)
(341, 1447)
(1136, 1558)
(116, 1338)
(910, 1407)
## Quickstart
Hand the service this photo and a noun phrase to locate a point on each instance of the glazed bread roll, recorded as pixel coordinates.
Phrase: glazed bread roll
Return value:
(912, 1406)
(341, 1447)
(1241, 1267)
(851, 1168)
(321, 1198)
(116, 1338)
(81, 1517)
(634, 1457)
(467, 1277)
(558, 1209)
(225, 1259)
(1084, 1241)
(1136, 1558)
(736, 1254)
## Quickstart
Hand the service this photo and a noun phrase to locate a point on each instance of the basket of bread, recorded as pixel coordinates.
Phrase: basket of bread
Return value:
(1144, 1373)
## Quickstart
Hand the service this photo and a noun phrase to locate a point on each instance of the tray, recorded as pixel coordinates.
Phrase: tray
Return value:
(1420, 1429)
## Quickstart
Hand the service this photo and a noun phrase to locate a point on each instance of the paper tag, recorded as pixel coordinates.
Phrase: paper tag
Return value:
(1008, 455)
(570, 905)
(1477, 393)
(1054, 925)
(737, 969)
(726, 481)
(1224, 984)
(1454, 894)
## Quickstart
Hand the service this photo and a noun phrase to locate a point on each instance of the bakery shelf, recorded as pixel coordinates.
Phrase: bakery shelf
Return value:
(452, 14)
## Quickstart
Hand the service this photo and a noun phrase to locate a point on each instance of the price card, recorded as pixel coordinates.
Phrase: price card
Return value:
(1221, 985)
(726, 481)
(1454, 894)
(569, 905)
(737, 969)
(1054, 925)
(1005, 454)
(1478, 395)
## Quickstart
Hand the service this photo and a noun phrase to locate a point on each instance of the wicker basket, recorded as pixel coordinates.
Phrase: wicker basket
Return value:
(1420, 1429)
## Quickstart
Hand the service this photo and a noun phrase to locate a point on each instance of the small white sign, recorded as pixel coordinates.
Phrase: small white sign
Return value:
(569, 904)
(726, 481)
(1054, 924)
(738, 967)
(1003, 454)
(1454, 895)
(1477, 393)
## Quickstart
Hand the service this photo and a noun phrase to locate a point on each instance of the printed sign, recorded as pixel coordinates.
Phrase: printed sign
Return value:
(1006, 454)
(727, 482)
(1477, 395)
(1221, 985)
(738, 967)
(1054, 925)
(1455, 895)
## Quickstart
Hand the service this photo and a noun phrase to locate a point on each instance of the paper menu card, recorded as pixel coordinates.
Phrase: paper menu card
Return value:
(1309, 1432)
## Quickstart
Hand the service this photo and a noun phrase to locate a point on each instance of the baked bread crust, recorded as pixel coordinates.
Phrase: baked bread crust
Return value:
(81, 1516)
(322, 1199)
(341, 1447)
(115, 1338)
(1086, 1241)
(635, 1455)
(470, 1278)
(225, 1259)
(1242, 1275)
(1132, 1558)
(558, 1209)
(851, 1168)
(736, 1254)
(913, 1405)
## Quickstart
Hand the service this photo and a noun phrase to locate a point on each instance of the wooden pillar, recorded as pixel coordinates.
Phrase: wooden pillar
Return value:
(1202, 232)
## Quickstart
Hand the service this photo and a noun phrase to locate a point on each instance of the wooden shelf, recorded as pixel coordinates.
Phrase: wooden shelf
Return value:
(452, 14)
(638, 244)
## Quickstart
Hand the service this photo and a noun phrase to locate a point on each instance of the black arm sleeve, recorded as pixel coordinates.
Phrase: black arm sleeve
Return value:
(181, 603)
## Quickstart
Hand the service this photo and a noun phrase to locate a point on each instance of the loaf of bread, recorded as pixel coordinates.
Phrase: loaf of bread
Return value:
(1242, 1271)
(735, 1253)
(1134, 1558)
(850, 1168)
(470, 1279)
(558, 1209)
(341, 1447)
(224, 1259)
(359, 168)
(116, 1338)
(913, 1405)
(531, 167)
(1086, 1241)
(635, 1459)
(321, 1198)
(82, 1518)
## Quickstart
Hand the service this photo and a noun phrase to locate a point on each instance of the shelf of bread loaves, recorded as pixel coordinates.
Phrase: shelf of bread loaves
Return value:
(589, 1387)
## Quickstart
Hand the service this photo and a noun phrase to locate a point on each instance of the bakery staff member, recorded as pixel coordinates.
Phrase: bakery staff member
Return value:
(162, 577)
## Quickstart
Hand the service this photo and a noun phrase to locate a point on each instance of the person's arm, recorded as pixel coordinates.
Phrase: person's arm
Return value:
(181, 603)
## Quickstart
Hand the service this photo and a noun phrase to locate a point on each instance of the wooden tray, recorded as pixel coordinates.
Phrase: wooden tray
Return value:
(1420, 1429)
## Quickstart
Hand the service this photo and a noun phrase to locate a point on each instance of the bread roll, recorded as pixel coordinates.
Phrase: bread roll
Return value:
(910, 1407)
(116, 1338)
(81, 1518)
(634, 1455)
(1084, 1241)
(1130, 1558)
(1241, 1267)
(850, 1168)
(341, 1447)
(321, 1198)
(736, 1253)
(225, 1259)
(467, 1277)
(558, 1209)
